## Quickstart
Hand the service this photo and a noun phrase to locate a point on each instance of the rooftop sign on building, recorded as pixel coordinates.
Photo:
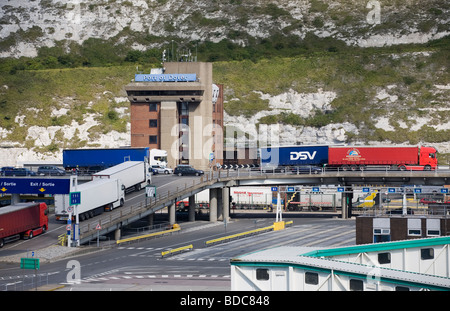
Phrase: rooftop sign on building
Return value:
(184, 77)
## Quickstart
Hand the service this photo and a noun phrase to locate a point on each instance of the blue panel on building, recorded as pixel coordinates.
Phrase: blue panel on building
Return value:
(34, 185)
(183, 77)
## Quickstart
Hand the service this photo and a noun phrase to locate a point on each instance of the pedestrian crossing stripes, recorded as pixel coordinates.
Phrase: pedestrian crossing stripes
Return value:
(150, 276)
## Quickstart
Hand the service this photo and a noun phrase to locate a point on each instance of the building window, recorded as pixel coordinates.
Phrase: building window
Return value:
(381, 235)
(262, 274)
(415, 232)
(311, 278)
(153, 107)
(427, 253)
(356, 285)
(153, 139)
(384, 258)
(153, 123)
(433, 233)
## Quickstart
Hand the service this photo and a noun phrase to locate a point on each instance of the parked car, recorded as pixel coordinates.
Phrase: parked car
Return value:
(156, 169)
(4, 169)
(187, 170)
(51, 170)
(18, 172)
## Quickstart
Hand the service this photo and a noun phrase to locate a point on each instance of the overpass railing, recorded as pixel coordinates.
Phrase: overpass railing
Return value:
(160, 201)
(166, 198)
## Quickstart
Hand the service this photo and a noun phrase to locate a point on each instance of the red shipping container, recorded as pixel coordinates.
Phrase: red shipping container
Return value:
(373, 156)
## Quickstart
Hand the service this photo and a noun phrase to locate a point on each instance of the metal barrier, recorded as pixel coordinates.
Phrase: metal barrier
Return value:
(150, 235)
(62, 239)
(244, 234)
(176, 250)
(238, 235)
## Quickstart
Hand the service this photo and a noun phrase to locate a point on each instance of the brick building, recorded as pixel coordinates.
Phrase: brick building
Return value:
(179, 109)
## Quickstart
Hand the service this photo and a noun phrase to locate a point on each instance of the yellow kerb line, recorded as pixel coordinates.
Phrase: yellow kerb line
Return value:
(177, 250)
(148, 235)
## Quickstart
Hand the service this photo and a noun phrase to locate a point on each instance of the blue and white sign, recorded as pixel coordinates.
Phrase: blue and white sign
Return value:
(417, 190)
(34, 185)
(75, 198)
(391, 190)
(340, 189)
(315, 189)
(274, 188)
(290, 189)
(182, 77)
(444, 190)
(366, 189)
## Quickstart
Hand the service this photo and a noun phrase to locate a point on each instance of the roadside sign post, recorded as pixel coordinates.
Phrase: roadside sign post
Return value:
(69, 226)
(75, 200)
(150, 192)
(30, 263)
(98, 228)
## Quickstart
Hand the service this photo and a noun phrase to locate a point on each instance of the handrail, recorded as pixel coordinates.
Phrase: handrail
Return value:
(209, 179)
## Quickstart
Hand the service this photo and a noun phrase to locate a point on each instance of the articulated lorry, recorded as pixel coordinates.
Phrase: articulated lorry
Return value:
(134, 175)
(349, 157)
(297, 201)
(22, 220)
(240, 197)
(96, 196)
(94, 160)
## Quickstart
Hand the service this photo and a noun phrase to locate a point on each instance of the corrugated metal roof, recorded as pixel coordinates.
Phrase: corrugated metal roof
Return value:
(311, 258)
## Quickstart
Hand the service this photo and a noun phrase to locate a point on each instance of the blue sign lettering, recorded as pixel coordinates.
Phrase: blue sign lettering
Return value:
(34, 186)
(185, 77)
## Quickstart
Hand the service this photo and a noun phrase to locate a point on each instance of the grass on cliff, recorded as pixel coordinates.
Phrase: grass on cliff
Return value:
(356, 75)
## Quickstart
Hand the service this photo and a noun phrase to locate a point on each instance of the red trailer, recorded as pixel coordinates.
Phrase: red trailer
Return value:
(402, 158)
(22, 220)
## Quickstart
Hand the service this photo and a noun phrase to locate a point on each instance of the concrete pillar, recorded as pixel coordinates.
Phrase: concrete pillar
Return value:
(347, 198)
(171, 211)
(213, 205)
(15, 198)
(191, 212)
(219, 204)
(344, 206)
(117, 234)
(151, 217)
(226, 203)
(168, 132)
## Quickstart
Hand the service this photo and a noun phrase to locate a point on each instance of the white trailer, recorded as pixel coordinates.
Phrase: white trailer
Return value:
(96, 196)
(241, 197)
(298, 201)
(251, 197)
(133, 174)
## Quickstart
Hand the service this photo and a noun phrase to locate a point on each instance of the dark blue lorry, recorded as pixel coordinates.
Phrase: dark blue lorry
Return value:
(293, 156)
(93, 160)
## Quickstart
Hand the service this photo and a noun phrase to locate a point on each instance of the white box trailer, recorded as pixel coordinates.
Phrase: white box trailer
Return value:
(241, 197)
(96, 196)
(133, 174)
(314, 201)
(251, 197)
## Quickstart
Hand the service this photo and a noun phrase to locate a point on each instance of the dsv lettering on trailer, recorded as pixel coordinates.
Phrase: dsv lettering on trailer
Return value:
(302, 155)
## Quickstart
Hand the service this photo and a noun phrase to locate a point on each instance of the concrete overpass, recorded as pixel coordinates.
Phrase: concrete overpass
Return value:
(219, 183)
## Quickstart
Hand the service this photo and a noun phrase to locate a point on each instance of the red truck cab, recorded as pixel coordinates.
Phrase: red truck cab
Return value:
(22, 220)
(428, 158)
